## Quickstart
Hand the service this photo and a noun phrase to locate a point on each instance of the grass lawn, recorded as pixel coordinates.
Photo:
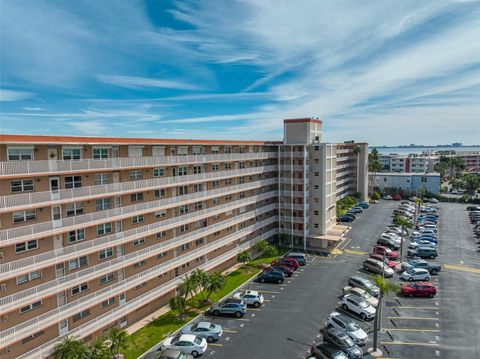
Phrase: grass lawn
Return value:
(157, 330)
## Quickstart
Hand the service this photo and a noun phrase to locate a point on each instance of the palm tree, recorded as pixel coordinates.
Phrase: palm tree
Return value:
(98, 349)
(70, 348)
(386, 288)
(455, 164)
(179, 303)
(442, 166)
(244, 257)
(200, 277)
(405, 224)
(472, 182)
(118, 340)
(216, 282)
(261, 246)
(374, 166)
(188, 286)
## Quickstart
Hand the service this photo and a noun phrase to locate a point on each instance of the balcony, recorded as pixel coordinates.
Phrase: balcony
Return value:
(299, 168)
(49, 198)
(293, 154)
(45, 320)
(100, 322)
(48, 168)
(300, 194)
(295, 206)
(50, 228)
(289, 180)
(294, 232)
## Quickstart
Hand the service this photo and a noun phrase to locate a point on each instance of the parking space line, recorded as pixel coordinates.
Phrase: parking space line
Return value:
(267, 300)
(412, 330)
(411, 343)
(426, 308)
(244, 319)
(267, 291)
(230, 331)
(462, 268)
(255, 309)
(412, 318)
(216, 344)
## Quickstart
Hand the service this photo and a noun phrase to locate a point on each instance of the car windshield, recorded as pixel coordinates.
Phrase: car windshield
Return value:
(368, 284)
(198, 340)
(212, 326)
(367, 295)
(351, 327)
(363, 304)
(175, 339)
(348, 342)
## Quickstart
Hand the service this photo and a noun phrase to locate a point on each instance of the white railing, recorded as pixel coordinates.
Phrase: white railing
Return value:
(288, 180)
(116, 313)
(287, 193)
(294, 219)
(49, 198)
(295, 232)
(299, 168)
(22, 168)
(36, 324)
(64, 254)
(50, 228)
(292, 154)
(286, 205)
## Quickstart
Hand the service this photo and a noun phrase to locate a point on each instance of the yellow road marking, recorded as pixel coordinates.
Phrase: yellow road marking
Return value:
(336, 251)
(351, 251)
(426, 308)
(229, 331)
(215, 344)
(462, 268)
(412, 330)
(267, 300)
(411, 343)
(256, 309)
(267, 291)
(412, 318)
(244, 319)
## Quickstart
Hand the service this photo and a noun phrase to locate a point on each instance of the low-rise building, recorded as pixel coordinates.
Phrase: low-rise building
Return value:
(406, 181)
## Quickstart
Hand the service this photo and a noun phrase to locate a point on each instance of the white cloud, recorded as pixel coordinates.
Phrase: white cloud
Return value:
(90, 128)
(11, 95)
(32, 108)
(143, 82)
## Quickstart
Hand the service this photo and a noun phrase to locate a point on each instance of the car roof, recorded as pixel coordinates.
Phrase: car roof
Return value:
(204, 325)
(420, 270)
(187, 337)
(252, 292)
(426, 284)
(341, 317)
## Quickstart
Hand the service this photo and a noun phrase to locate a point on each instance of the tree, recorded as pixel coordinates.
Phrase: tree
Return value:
(472, 182)
(442, 166)
(265, 248)
(98, 349)
(118, 340)
(70, 348)
(405, 224)
(456, 164)
(179, 303)
(244, 257)
(200, 277)
(216, 282)
(374, 166)
(375, 196)
(188, 286)
(386, 288)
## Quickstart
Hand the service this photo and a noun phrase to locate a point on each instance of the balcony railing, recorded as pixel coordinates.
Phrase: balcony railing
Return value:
(299, 168)
(287, 193)
(50, 228)
(23, 168)
(292, 154)
(289, 180)
(34, 325)
(295, 232)
(49, 198)
(287, 205)
(116, 313)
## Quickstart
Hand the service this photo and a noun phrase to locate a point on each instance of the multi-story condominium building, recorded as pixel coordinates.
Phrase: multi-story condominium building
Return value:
(406, 181)
(98, 232)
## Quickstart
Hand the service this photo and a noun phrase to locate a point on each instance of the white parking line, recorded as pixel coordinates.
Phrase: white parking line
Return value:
(437, 325)
(437, 353)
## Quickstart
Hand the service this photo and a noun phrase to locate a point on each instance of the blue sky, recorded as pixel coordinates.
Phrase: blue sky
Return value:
(378, 71)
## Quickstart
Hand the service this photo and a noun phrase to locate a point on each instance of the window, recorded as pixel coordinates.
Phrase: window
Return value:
(182, 171)
(215, 200)
(103, 204)
(136, 197)
(108, 302)
(77, 235)
(228, 181)
(316, 160)
(316, 174)
(198, 205)
(19, 154)
(21, 186)
(228, 149)
(23, 216)
(161, 234)
(136, 175)
(182, 190)
(315, 225)
(161, 255)
(101, 179)
(184, 247)
(199, 241)
(198, 187)
(29, 277)
(80, 288)
(315, 213)
(106, 278)
(215, 167)
(73, 182)
(228, 166)
(197, 169)
(72, 153)
(100, 153)
(317, 148)
(183, 228)
(159, 193)
(215, 184)
(33, 336)
(78, 263)
(139, 264)
(105, 253)
(241, 180)
(30, 307)
(158, 172)
(315, 186)
(197, 150)
(137, 219)
(160, 214)
(215, 150)
(104, 228)
(183, 209)
(81, 315)
(26, 246)
(74, 209)
(138, 242)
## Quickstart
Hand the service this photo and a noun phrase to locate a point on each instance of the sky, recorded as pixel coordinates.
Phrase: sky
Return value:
(385, 72)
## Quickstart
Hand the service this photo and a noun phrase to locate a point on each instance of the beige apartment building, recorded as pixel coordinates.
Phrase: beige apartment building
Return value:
(98, 232)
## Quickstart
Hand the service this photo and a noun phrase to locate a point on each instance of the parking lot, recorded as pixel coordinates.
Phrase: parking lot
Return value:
(294, 312)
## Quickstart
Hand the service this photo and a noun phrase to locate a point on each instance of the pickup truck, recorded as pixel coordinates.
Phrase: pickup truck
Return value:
(433, 268)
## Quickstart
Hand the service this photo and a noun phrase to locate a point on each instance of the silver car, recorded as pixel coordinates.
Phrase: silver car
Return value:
(207, 330)
(250, 297)
(349, 326)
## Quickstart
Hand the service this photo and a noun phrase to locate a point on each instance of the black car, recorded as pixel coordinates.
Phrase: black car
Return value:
(271, 277)
(345, 218)
(342, 341)
(473, 208)
(422, 252)
(326, 351)
(287, 271)
(390, 244)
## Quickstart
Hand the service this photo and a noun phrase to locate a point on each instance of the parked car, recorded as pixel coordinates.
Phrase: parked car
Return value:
(385, 251)
(378, 267)
(207, 330)
(171, 354)
(415, 274)
(397, 197)
(288, 262)
(287, 271)
(430, 200)
(186, 343)
(423, 252)
(301, 258)
(347, 325)
(364, 205)
(394, 237)
(433, 268)
(250, 297)
(362, 293)
(345, 218)
(271, 277)
(358, 306)
(473, 208)
(387, 197)
(343, 342)
(388, 243)
(388, 262)
(422, 243)
(327, 351)
(420, 289)
(228, 308)
(356, 209)
(357, 281)
(430, 239)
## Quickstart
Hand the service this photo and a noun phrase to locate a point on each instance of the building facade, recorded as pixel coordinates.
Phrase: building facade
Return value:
(407, 181)
(98, 232)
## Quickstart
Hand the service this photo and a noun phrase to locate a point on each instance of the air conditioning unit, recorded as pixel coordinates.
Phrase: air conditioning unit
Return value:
(3, 287)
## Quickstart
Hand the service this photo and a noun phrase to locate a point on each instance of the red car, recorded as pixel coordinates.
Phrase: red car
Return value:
(287, 262)
(419, 289)
(288, 271)
(392, 255)
(388, 262)
(397, 197)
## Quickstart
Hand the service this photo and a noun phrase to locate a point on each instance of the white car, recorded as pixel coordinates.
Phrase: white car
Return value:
(358, 306)
(391, 236)
(347, 325)
(416, 274)
(250, 297)
(422, 243)
(433, 227)
(362, 293)
(186, 343)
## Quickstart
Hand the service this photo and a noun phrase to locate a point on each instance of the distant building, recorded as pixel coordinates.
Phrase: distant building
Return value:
(406, 181)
